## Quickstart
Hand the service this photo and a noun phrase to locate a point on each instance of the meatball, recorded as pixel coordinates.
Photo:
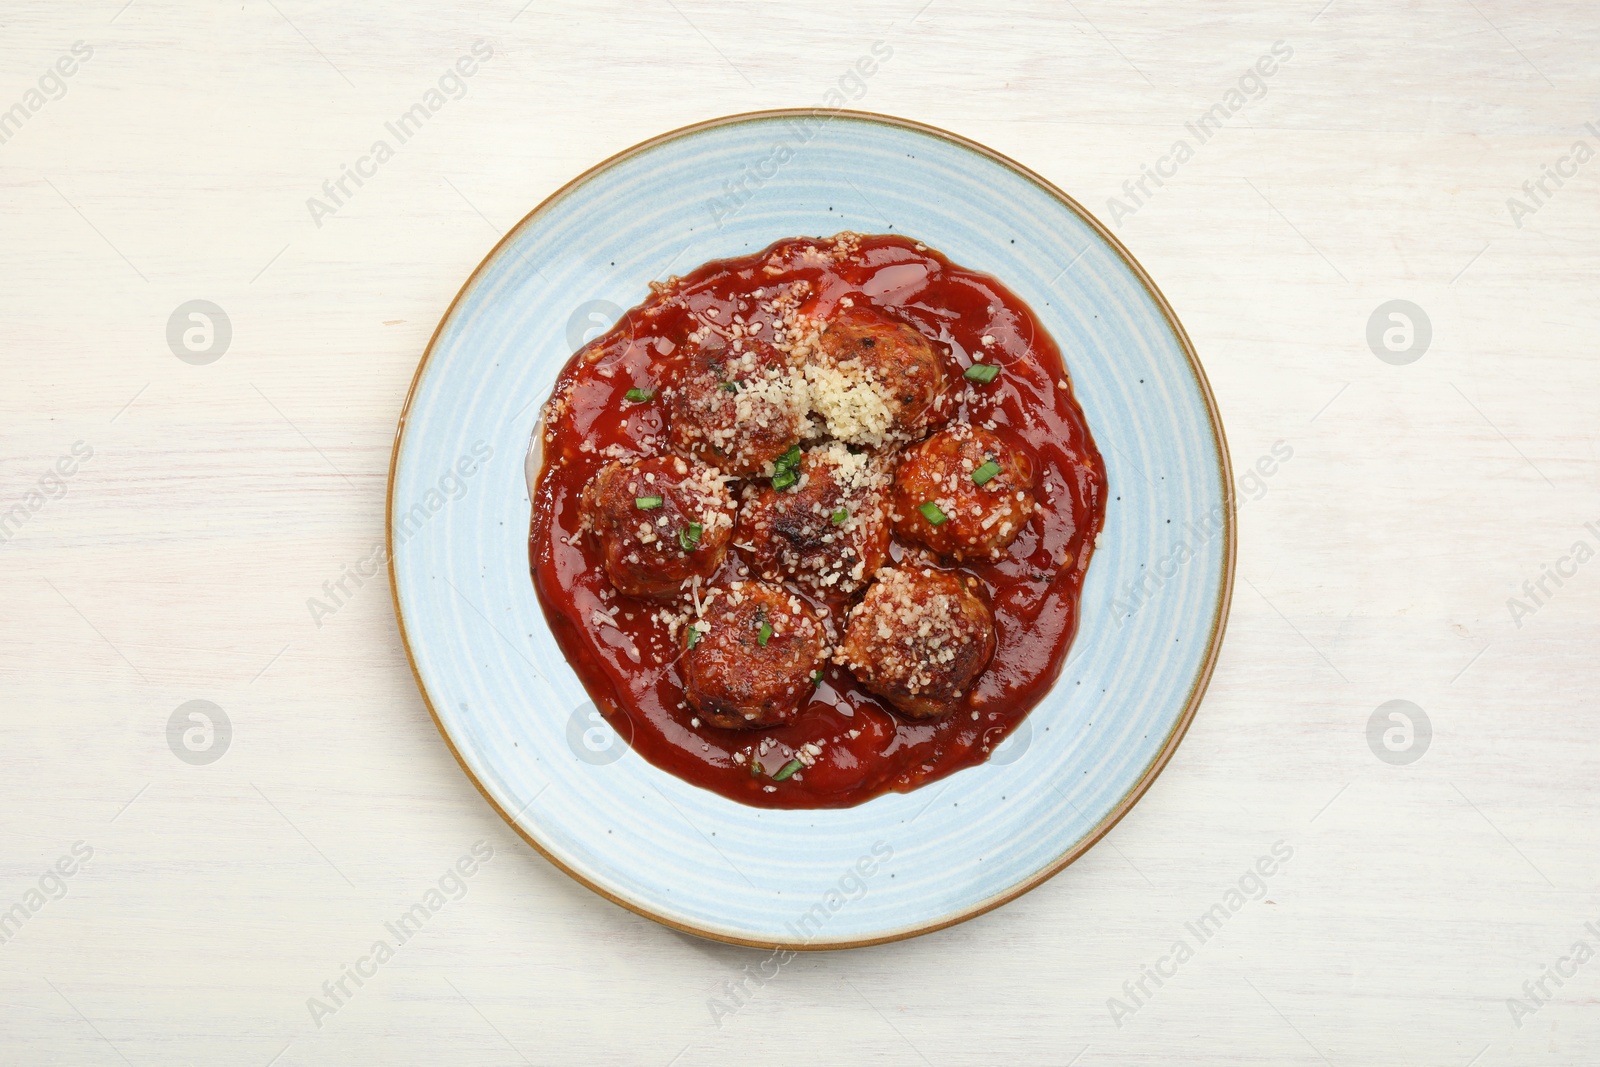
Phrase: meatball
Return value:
(963, 492)
(876, 380)
(738, 406)
(661, 521)
(828, 531)
(918, 639)
(752, 657)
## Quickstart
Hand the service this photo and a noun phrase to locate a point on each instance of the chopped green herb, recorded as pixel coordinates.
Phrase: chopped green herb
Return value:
(640, 396)
(646, 503)
(816, 677)
(786, 469)
(931, 512)
(840, 516)
(694, 636)
(981, 372)
(989, 469)
(764, 634)
(730, 387)
(689, 536)
(788, 769)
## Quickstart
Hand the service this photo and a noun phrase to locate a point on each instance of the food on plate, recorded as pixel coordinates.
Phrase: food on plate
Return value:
(918, 639)
(963, 492)
(659, 523)
(877, 380)
(814, 521)
(750, 655)
(827, 529)
(739, 404)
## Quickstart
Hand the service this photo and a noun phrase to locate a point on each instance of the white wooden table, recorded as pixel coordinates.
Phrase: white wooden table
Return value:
(1378, 563)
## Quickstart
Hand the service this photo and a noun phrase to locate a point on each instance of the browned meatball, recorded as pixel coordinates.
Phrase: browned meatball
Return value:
(753, 664)
(828, 531)
(963, 492)
(918, 639)
(738, 406)
(876, 380)
(661, 521)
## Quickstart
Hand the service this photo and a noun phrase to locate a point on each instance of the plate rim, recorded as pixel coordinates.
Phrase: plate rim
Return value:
(1219, 620)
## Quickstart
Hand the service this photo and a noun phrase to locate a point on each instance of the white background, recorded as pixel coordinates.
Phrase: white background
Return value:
(1376, 565)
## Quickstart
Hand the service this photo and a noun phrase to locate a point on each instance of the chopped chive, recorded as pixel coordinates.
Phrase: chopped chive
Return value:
(931, 512)
(694, 636)
(786, 469)
(640, 396)
(645, 503)
(788, 769)
(816, 677)
(689, 536)
(764, 634)
(840, 516)
(981, 372)
(989, 469)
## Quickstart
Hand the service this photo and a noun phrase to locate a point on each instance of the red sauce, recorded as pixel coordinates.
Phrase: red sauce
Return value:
(1033, 589)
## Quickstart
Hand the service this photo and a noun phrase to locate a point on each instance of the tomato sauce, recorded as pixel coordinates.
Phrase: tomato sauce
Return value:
(629, 667)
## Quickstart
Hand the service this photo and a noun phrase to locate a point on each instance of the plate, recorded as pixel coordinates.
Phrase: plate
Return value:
(514, 713)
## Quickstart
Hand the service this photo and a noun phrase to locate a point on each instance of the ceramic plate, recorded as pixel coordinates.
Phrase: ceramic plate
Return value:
(516, 716)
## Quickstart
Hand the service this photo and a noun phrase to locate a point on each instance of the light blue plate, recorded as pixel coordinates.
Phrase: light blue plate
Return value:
(515, 714)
